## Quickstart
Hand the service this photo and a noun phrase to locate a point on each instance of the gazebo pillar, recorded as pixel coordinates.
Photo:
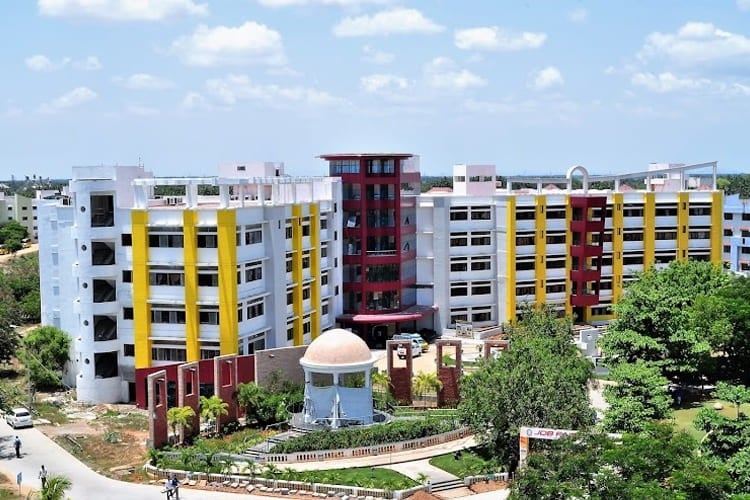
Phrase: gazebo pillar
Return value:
(336, 402)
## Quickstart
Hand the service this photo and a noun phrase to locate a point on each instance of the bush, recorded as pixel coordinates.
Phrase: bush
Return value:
(367, 436)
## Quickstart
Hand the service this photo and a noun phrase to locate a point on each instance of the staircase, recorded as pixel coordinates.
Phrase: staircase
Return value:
(451, 484)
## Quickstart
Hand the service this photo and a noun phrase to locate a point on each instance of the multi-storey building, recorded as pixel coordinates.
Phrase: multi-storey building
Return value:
(736, 246)
(379, 193)
(141, 280)
(21, 209)
(483, 252)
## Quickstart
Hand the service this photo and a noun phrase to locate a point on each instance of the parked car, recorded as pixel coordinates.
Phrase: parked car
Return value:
(424, 346)
(416, 350)
(19, 417)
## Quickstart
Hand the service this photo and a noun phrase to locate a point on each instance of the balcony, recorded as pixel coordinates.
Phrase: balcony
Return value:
(105, 328)
(102, 254)
(104, 291)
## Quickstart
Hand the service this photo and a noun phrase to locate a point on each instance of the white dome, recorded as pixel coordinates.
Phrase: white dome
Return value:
(337, 347)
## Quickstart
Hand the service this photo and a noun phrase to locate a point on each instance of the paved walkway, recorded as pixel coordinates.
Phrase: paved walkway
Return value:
(417, 467)
(387, 458)
(38, 449)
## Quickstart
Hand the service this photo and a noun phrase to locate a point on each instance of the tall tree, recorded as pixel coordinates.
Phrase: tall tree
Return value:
(638, 396)
(541, 381)
(45, 352)
(654, 320)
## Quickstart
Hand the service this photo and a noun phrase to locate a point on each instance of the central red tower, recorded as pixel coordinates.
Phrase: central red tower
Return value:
(378, 241)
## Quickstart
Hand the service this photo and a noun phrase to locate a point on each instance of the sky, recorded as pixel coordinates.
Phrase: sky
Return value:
(531, 86)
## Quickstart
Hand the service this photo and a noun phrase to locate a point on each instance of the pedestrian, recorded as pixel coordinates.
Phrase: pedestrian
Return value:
(17, 446)
(175, 487)
(168, 487)
(43, 476)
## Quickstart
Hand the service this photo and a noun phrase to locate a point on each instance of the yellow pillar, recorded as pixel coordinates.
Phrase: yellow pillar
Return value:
(226, 225)
(649, 230)
(315, 269)
(568, 258)
(540, 246)
(141, 307)
(717, 218)
(190, 252)
(683, 228)
(297, 273)
(510, 283)
(617, 245)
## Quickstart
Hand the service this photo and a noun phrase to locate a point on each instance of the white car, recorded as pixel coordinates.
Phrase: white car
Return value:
(19, 417)
(416, 350)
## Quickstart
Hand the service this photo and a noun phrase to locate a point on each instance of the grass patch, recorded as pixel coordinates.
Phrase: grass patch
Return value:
(684, 417)
(363, 477)
(7, 489)
(116, 421)
(469, 463)
(50, 412)
(104, 452)
(425, 413)
(449, 361)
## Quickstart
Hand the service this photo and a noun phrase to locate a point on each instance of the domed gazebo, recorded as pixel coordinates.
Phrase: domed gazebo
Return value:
(338, 388)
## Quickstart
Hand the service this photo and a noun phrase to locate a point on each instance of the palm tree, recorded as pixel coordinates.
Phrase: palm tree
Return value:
(425, 382)
(212, 408)
(55, 488)
(249, 397)
(381, 380)
(180, 416)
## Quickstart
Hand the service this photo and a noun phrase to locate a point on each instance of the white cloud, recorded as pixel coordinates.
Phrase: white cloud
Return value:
(245, 44)
(337, 3)
(235, 88)
(578, 15)
(375, 56)
(743, 5)
(495, 38)
(91, 63)
(398, 21)
(75, 97)
(43, 63)
(698, 44)
(138, 110)
(442, 73)
(195, 101)
(144, 81)
(122, 10)
(379, 81)
(547, 78)
(668, 82)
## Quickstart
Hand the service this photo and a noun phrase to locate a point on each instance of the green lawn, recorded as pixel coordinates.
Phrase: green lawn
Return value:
(684, 417)
(365, 477)
(470, 463)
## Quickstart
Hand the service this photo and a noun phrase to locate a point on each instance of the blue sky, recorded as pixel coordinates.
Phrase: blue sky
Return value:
(530, 86)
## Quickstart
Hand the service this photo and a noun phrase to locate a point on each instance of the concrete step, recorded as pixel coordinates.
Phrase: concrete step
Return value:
(447, 485)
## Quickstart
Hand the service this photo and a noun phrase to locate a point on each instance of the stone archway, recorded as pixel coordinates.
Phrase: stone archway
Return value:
(584, 174)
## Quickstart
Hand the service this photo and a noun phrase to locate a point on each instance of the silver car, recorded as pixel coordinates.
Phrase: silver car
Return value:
(19, 417)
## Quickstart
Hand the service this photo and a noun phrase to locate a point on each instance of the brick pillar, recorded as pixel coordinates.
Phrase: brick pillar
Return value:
(496, 345)
(158, 428)
(188, 394)
(449, 375)
(225, 385)
(400, 377)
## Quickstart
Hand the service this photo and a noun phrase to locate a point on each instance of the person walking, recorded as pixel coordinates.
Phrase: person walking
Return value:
(17, 446)
(43, 476)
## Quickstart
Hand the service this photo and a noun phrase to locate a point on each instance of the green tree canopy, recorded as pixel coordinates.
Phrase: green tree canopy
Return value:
(45, 352)
(637, 397)
(12, 230)
(541, 381)
(654, 320)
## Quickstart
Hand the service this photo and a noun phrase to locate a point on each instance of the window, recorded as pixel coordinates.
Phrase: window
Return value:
(166, 278)
(459, 289)
(555, 239)
(164, 240)
(336, 167)
(525, 290)
(288, 232)
(127, 313)
(253, 271)
(208, 277)
(458, 265)
(481, 238)
(459, 240)
(481, 213)
(288, 263)
(255, 308)
(128, 350)
(207, 237)
(306, 227)
(105, 364)
(478, 316)
(102, 210)
(168, 354)
(481, 264)
(481, 288)
(254, 234)
(305, 292)
(459, 213)
(324, 250)
(127, 276)
(525, 240)
(208, 316)
(525, 214)
(306, 327)
(459, 178)
(324, 308)
(290, 331)
(306, 259)
(323, 223)
(167, 314)
(525, 265)
(289, 297)
(126, 240)
(324, 278)
(728, 232)
(459, 315)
